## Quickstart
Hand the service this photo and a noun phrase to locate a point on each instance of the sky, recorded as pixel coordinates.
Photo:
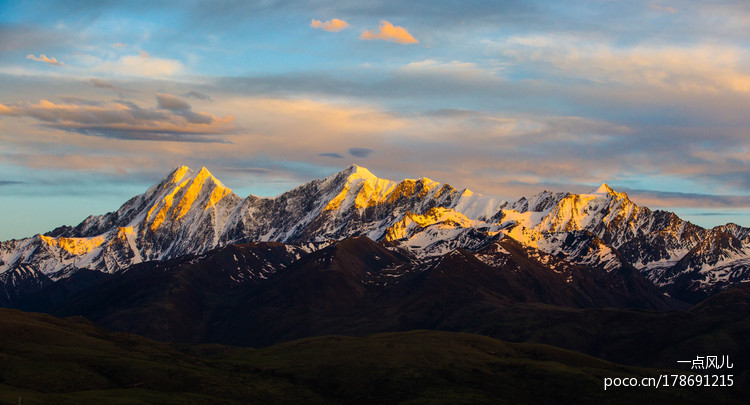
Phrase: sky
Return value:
(101, 99)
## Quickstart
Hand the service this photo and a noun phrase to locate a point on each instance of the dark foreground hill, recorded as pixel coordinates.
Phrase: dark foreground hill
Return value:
(352, 287)
(263, 294)
(52, 360)
(357, 287)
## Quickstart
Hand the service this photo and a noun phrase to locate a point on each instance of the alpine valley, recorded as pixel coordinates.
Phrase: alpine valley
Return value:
(352, 254)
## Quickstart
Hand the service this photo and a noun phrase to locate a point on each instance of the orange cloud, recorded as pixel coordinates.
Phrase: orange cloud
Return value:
(45, 59)
(141, 65)
(697, 69)
(333, 25)
(663, 8)
(5, 110)
(125, 120)
(389, 32)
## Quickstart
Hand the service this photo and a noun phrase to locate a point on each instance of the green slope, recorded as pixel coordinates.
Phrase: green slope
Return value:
(50, 360)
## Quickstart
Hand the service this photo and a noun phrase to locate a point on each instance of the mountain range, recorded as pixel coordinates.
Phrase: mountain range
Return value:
(192, 213)
(373, 265)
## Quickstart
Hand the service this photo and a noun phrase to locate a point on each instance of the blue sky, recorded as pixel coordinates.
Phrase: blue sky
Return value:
(101, 99)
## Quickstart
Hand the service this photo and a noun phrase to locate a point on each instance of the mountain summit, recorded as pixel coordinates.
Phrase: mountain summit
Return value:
(181, 214)
(192, 212)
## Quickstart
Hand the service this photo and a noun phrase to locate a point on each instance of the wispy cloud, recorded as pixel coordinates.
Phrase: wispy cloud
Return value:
(126, 120)
(331, 155)
(170, 102)
(271, 128)
(265, 133)
(333, 25)
(254, 170)
(60, 164)
(143, 65)
(449, 71)
(181, 107)
(197, 95)
(659, 7)
(661, 199)
(389, 32)
(360, 152)
(4, 183)
(79, 100)
(45, 59)
(101, 84)
(700, 68)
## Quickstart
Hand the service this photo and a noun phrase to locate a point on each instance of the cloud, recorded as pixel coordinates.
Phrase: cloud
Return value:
(443, 72)
(667, 9)
(271, 129)
(197, 95)
(388, 32)
(687, 69)
(45, 59)
(79, 100)
(255, 170)
(360, 152)
(662, 199)
(429, 79)
(120, 45)
(126, 120)
(333, 25)
(143, 65)
(331, 155)
(181, 107)
(25, 37)
(56, 168)
(719, 214)
(101, 84)
(11, 183)
(170, 102)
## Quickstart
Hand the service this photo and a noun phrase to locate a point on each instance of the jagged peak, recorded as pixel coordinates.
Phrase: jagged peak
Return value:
(178, 174)
(355, 173)
(205, 175)
(182, 173)
(351, 176)
(426, 181)
(182, 191)
(358, 172)
(359, 186)
(539, 202)
(605, 189)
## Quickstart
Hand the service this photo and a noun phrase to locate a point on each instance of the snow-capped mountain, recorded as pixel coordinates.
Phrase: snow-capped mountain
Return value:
(182, 214)
(606, 229)
(192, 213)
